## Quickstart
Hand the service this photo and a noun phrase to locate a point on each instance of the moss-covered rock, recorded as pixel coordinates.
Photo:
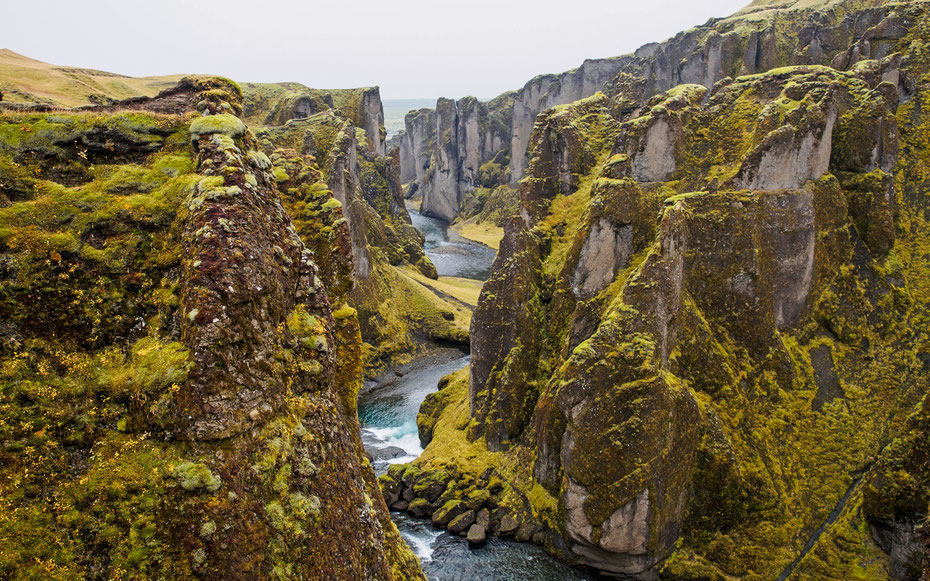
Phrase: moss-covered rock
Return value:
(195, 476)
(223, 123)
(703, 336)
(177, 398)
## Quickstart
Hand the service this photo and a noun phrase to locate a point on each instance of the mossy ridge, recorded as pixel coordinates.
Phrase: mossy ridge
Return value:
(753, 389)
(86, 403)
(334, 159)
(401, 317)
(267, 104)
(66, 147)
(317, 216)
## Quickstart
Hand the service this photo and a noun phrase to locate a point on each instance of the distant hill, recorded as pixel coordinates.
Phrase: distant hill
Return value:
(26, 80)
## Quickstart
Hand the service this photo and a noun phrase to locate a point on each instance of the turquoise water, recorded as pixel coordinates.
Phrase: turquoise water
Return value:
(445, 557)
(388, 414)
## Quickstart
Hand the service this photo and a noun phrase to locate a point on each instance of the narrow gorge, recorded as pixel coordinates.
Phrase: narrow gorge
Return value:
(663, 316)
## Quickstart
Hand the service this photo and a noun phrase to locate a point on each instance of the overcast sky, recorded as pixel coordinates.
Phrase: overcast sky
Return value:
(411, 48)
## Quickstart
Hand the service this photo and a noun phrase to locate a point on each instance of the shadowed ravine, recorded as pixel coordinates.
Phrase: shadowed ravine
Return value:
(387, 411)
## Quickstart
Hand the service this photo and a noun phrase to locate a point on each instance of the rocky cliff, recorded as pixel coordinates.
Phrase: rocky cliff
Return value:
(447, 152)
(759, 38)
(342, 132)
(178, 366)
(278, 103)
(702, 352)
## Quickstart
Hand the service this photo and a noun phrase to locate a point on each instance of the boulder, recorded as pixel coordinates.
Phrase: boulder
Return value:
(477, 534)
(448, 511)
(462, 522)
(420, 508)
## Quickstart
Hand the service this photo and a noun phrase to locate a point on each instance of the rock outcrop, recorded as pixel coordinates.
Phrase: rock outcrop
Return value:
(702, 349)
(183, 405)
(447, 152)
(277, 103)
(344, 136)
(835, 34)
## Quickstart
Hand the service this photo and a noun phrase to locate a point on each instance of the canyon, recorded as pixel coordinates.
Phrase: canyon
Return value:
(244, 332)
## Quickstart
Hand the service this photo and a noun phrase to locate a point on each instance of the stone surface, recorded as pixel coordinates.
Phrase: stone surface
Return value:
(223, 354)
(606, 250)
(462, 522)
(477, 534)
(695, 284)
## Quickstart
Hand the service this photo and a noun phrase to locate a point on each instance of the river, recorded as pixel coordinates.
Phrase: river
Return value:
(388, 412)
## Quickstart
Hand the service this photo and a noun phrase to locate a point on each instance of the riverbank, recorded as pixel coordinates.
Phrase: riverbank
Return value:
(483, 233)
(388, 406)
(452, 254)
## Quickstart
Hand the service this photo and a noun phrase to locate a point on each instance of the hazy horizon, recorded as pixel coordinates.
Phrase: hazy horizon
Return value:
(408, 48)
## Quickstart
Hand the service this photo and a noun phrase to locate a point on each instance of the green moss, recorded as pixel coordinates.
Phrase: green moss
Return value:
(153, 367)
(280, 175)
(194, 476)
(332, 204)
(224, 124)
(786, 71)
(344, 312)
(309, 330)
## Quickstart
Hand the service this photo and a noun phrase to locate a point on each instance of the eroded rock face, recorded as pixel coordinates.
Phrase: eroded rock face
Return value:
(343, 172)
(690, 297)
(656, 161)
(441, 192)
(606, 250)
(744, 44)
(791, 157)
(626, 532)
(507, 412)
(230, 446)
(547, 91)
(368, 193)
(371, 119)
(442, 151)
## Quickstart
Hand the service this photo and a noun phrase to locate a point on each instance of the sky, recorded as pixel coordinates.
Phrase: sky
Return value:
(410, 48)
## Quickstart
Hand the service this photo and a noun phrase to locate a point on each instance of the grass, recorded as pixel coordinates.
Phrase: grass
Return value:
(23, 80)
(465, 290)
(424, 290)
(484, 233)
(449, 440)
